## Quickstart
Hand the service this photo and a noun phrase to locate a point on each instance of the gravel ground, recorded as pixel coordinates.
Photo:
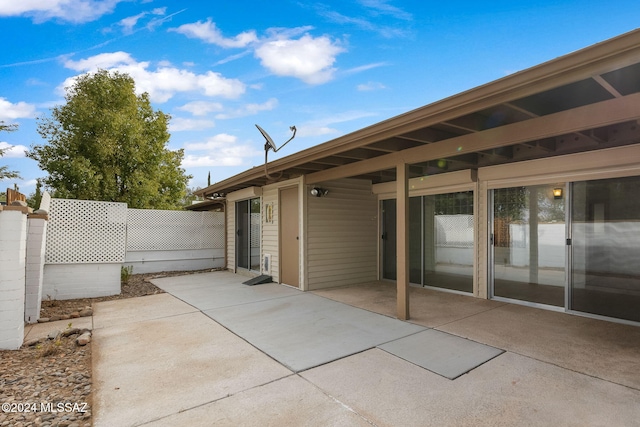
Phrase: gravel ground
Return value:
(49, 384)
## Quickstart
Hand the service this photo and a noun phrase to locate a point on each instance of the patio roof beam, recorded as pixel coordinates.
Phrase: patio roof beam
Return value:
(596, 115)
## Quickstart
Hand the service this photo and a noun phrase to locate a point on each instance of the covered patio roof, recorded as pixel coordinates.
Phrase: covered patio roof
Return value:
(586, 100)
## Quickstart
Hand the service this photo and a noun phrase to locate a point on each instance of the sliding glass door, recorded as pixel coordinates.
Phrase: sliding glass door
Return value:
(529, 244)
(605, 235)
(587, 263)
(441, 240)
(248, 234)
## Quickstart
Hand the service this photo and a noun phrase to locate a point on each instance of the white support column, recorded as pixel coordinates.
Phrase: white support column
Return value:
(402, 239)
(36, 244)
(13, 243)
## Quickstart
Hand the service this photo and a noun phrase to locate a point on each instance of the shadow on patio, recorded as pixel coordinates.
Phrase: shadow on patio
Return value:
(605, 350)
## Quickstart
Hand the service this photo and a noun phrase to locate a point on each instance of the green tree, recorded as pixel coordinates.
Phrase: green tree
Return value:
(5, 173)
(107, 143)
(34, 199)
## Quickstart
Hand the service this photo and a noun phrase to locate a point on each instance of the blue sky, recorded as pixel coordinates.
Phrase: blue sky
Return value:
(329, 68)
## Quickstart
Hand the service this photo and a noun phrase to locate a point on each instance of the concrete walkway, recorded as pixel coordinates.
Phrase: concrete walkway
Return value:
(160, 361)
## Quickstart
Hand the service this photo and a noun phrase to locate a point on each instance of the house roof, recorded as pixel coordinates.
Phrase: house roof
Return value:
(588, 99)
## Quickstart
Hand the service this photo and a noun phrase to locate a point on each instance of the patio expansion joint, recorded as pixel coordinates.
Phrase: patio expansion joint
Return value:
(573, 370)
(216, 400)
(143, 320)
(467, 317)
(338, 401)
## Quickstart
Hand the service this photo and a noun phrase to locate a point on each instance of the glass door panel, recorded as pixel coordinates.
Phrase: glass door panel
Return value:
(605, 234)
(529, 244)
(254, 241)
(242, 234)
(248, 234)
(389, 266)
(448, 241)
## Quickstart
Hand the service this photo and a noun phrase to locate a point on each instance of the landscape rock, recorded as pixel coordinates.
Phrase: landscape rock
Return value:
(43, 320)
(84, 339)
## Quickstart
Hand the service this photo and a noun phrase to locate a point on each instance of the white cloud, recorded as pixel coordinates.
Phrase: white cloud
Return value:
(370, 86)
(179, 124)
(14, 151)
(249, 110)
(10, 112)
(163, 82)
(76, 11)
(209, 33)
(322, 126)
(130, 22)
(103, 60)
(307, 58)
(201, 108)
(381, 7)
(219, 150)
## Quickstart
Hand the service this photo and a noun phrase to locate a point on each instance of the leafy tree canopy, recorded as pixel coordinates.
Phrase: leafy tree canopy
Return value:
(107, 143)
(5, 173)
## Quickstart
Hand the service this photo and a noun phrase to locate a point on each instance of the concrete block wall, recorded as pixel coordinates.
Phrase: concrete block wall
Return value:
(13, 246)
(71, 281)
(36, 244)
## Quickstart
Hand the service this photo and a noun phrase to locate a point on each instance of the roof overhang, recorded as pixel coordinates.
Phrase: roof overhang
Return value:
(586, 100)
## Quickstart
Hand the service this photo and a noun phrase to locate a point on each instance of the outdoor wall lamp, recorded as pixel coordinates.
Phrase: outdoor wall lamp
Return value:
(319, 192)
(557, 193)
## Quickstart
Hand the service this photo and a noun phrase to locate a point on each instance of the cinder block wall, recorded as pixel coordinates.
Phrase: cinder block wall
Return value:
(13, 245)
(36, 244)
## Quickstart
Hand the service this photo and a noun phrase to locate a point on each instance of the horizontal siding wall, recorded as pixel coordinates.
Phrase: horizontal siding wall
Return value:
(270, 234)
(342, 234)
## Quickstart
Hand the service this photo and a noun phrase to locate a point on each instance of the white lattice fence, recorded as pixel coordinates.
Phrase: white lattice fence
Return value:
(85, 248)
(174, 230)
(174, 240)
(83, 231)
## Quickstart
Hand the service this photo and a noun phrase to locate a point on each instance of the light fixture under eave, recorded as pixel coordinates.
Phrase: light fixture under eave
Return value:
(319, 192)
(557, 193)
(270, 145)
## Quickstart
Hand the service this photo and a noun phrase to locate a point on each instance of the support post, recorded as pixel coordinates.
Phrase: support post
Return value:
(402, 235)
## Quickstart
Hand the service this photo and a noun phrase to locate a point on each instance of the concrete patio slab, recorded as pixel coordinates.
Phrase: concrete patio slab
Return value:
(130, 310)
(220, 289)
(41, 330)
(428, 307)
(146, 370)
(509, 390)
(442, 353)
(291, 401)
(603, 349)
(306, 330)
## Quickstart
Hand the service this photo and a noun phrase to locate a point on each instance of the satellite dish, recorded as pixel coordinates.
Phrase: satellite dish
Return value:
(268, 139)
(270, 145)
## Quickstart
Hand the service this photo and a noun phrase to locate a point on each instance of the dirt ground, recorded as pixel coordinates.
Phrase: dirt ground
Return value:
(58, 372)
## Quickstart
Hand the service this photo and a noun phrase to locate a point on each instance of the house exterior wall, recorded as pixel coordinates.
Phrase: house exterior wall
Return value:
(270, 244)
(342, 235)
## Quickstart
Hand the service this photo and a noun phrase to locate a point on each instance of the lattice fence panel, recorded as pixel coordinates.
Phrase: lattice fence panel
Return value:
(454, 231)
(149, 230)
(83, 231)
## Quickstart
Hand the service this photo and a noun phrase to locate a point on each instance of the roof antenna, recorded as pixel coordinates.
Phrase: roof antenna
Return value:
(270, 145)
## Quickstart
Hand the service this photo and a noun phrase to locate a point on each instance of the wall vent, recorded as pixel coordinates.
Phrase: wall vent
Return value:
(266, 264)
